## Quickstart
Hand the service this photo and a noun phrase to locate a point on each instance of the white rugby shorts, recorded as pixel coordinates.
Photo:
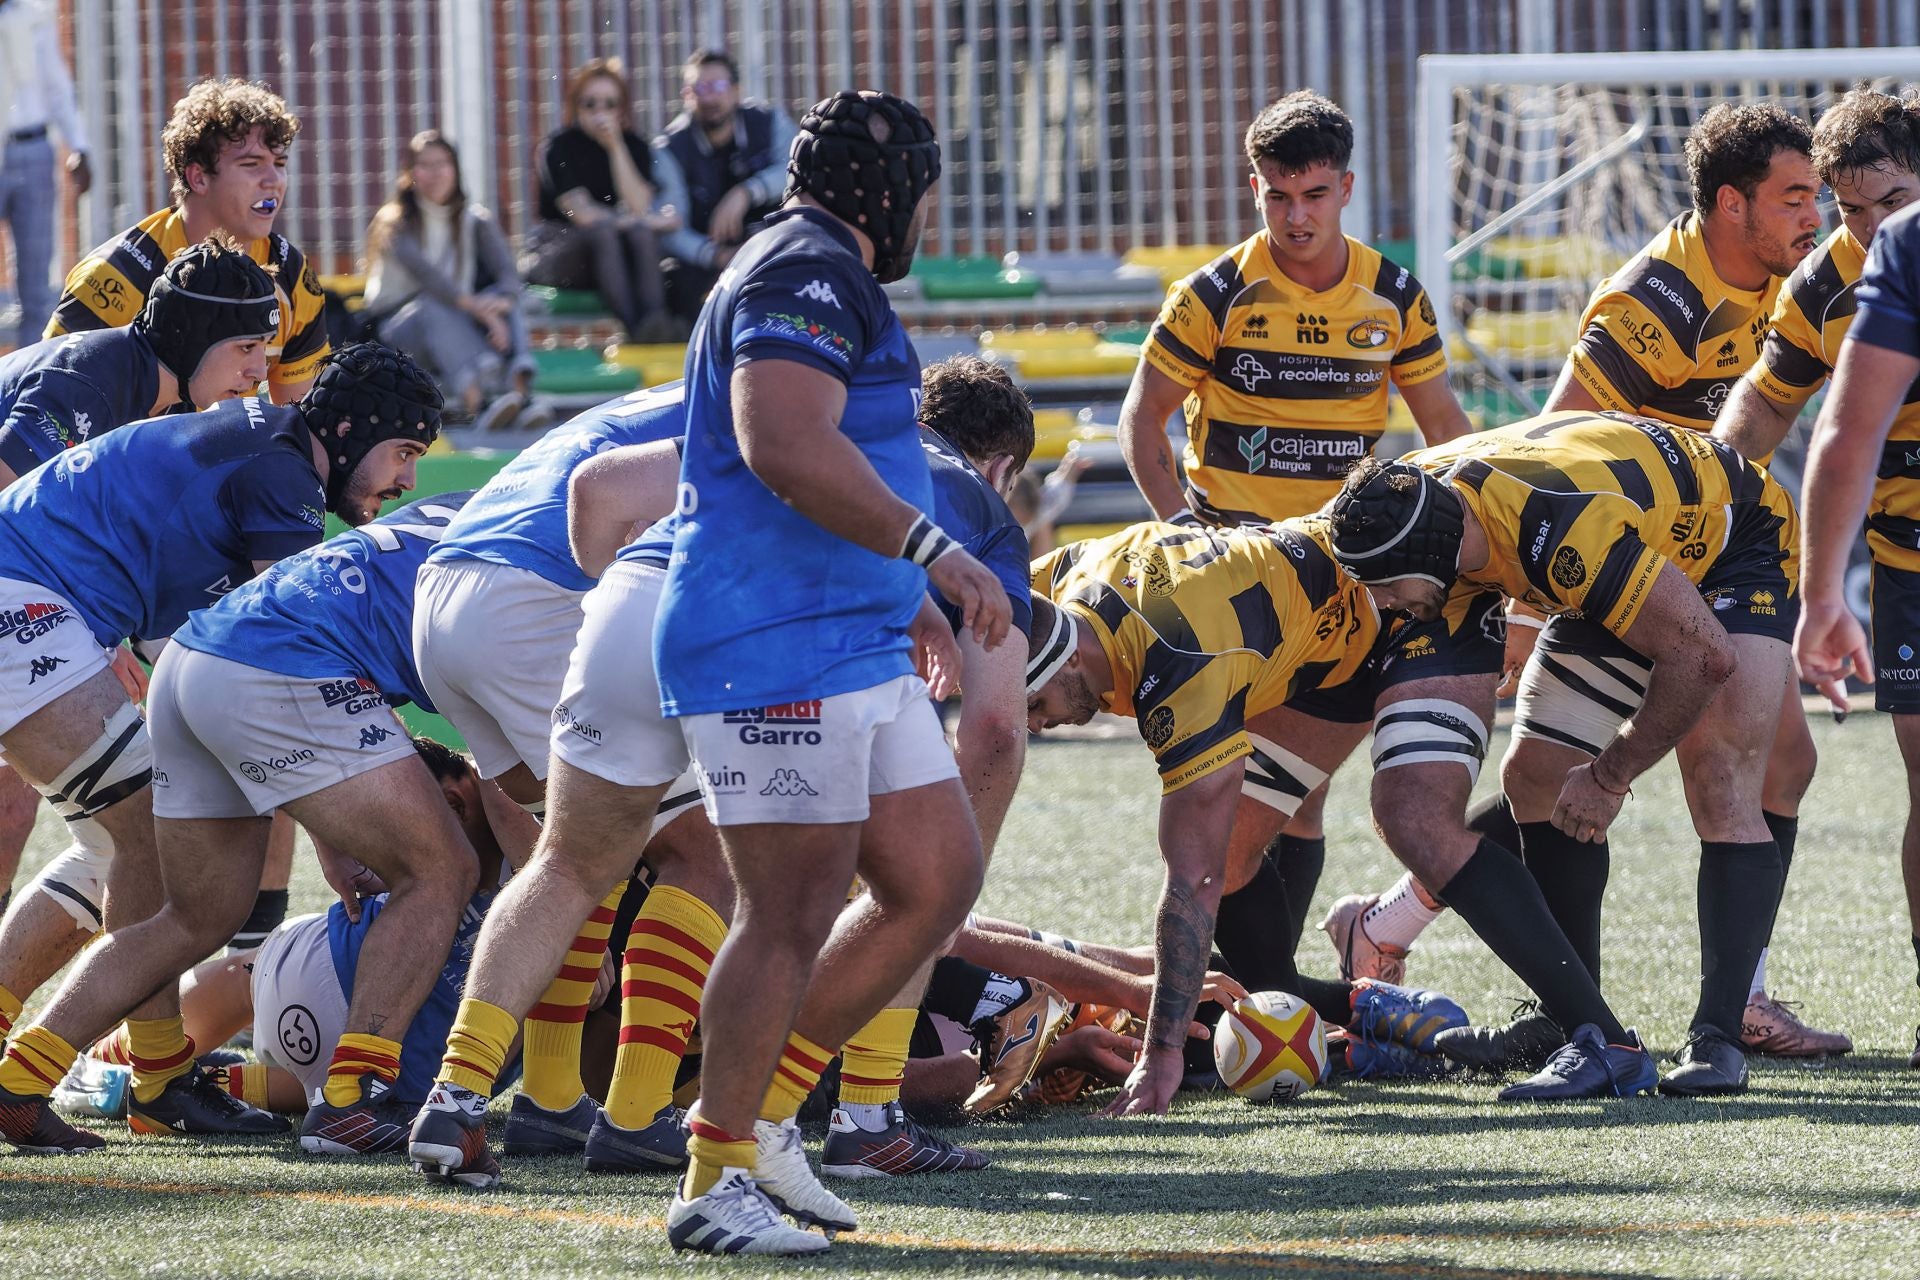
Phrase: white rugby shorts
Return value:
(491, 644)
(299, 1011)
(607, 719)
(46, 649)
(233, 741)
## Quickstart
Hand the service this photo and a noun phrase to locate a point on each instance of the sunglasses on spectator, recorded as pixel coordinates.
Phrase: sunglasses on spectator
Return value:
(713, 84)
(599, 104)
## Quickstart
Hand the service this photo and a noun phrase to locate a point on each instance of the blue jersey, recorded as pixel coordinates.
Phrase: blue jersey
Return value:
(968, 510)
(65, 391)
(150, 522)
(519, 518)
(342, 608)
(762, 605)
(426, 1038)
(1889, 292)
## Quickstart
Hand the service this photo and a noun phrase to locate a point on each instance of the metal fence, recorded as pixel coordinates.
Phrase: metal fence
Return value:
(1067, 124)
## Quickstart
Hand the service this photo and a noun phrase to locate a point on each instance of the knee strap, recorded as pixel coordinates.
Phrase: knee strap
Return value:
(77, 879)
(1429, 731)
(1278, 778)
(1576, 700)
(116, 765)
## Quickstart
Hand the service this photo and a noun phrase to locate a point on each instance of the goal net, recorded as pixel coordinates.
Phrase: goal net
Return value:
(1540, 175)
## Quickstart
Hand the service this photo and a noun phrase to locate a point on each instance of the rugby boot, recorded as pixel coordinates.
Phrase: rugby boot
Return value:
(661, 1147)
(1773, 1027)
(735, 1216)
(372, 1126)
(1011, 1045)
(901, 1148)
(193, 1103)
(1709, 1065)
(449, 1139)
(532, 1130)
(784, 1176)
(1358, 1058)
(1404, 1015)
(1522, 1044)
(1066, 1084)
(1588, 1067)
(1360, 956)
(95, 1088)
(28, 1122)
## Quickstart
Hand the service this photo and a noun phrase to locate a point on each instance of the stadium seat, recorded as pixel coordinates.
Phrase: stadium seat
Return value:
(580, 371)
(1174, 262)
(1127, 335)
(654, 362)
(935, 347)
(1100, 275)
(1040, 354)
(1523, 335)
(971, 279)
(545, 300)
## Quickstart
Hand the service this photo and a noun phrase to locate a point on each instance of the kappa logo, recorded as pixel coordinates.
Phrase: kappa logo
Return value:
(373, 735)
(45, 666)
(1568, 569)
(788, 782)
(1249, 370)
(82, 426)
(31, 621)
(819, 291)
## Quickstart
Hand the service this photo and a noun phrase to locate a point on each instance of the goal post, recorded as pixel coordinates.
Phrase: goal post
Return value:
(1538, 175)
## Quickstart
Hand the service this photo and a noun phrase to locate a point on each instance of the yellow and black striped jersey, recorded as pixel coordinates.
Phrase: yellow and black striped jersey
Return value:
(1665, 337)
(110, 286)
(1289, 387)
(1810, 322)
(1205, 628)
(1580, 509)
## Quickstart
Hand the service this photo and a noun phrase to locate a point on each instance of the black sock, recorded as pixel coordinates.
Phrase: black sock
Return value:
(1300, 860)
(958, 986)
(1492, 819)
(1499, 901)
(1916, 959)
(1572, 876)
(1250, 934)
(269, 909)
(1738, 888)
(1785, 831)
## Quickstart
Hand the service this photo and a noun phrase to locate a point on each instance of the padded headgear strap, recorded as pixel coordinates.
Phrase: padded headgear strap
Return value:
(379, 394)
(205, 297)
(1055, 634)
(1402, 522)
(873, 185)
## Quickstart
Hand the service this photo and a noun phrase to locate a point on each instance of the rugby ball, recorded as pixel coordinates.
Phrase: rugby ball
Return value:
(1270, 1046)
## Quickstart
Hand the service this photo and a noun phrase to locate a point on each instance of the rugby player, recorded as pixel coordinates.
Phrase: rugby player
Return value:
(1627, 533)
(200, 338)
(127, 535)
(1281, 352)
(1876, 374)
(1866, 148)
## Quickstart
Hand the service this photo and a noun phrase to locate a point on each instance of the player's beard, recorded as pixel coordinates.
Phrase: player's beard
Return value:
(1081, 702)
(1778, 256)
(362, 501)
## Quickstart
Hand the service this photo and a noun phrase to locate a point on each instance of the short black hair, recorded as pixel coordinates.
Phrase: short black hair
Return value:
(1733, 146)
(977, 406)
(701, 57)
(446, 764)
(1864, 130)
(1299, 131)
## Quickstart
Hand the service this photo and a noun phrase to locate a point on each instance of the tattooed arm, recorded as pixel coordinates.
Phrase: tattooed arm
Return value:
(1195, 822)
(1151, 400)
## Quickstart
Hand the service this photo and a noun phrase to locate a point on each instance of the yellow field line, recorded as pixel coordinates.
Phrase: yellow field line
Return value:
(1307, 1253)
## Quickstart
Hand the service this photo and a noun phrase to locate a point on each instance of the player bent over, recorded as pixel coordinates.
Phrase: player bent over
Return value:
(165, 517)
(1667, 566)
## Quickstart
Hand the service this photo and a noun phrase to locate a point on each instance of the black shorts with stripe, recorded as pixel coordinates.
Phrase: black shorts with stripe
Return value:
(1416, 651)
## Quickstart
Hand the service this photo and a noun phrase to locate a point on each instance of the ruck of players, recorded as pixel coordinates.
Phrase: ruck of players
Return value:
(708, 869)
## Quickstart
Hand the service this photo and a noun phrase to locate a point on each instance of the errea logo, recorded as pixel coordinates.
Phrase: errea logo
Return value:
(818, 291)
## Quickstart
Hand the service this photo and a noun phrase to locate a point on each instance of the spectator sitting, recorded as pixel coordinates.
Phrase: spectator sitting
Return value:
(723, 164)
(600, 211)
(441, 286)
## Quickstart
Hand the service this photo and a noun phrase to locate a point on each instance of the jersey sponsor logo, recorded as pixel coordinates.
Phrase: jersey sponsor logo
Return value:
(1763, 603)
(1249, 370)
(1568, 569)
(1157, 728)
(1255, 327)
(47, 664)
(723, 780)
(257, 770)
(563, 717)
(313, 515)
(1153, 567)
(1421, 646)
(788, 782)
(355, 694)
(1714, 397)
(788, 324)
(132, 246)
(372, 735)
(1642, 339)
(785, 724)
(1426, 310)
(1367, 333)
(82, 428)
(1147, 686)
(1279, 451)
(1672, 295)
(1729, 354)
(819, 291)
(299, 1034)
(31, 621)
(1540, 537)
(1311, 329)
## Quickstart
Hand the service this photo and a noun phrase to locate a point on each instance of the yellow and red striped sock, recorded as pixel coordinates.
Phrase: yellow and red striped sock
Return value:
(551, 1052)
(801, 1063)
(669, 951)
(246, 1081)
(357, 1055)
(875, 1060)
(477, 1046)
(10, 1007)
(161, 1053)
(35, 1061)
(710, 1150)
(113, 1047)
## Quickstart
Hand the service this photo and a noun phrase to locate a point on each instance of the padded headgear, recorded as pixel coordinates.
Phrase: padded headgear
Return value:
(1055, 636)
(873, 185)
(206, 296)
(1400, 522)
(379, 394)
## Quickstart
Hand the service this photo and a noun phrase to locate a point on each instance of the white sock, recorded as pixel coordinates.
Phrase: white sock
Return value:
(1001, 994)
(1399, 917)
(1759, 975)
(871, 1116)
